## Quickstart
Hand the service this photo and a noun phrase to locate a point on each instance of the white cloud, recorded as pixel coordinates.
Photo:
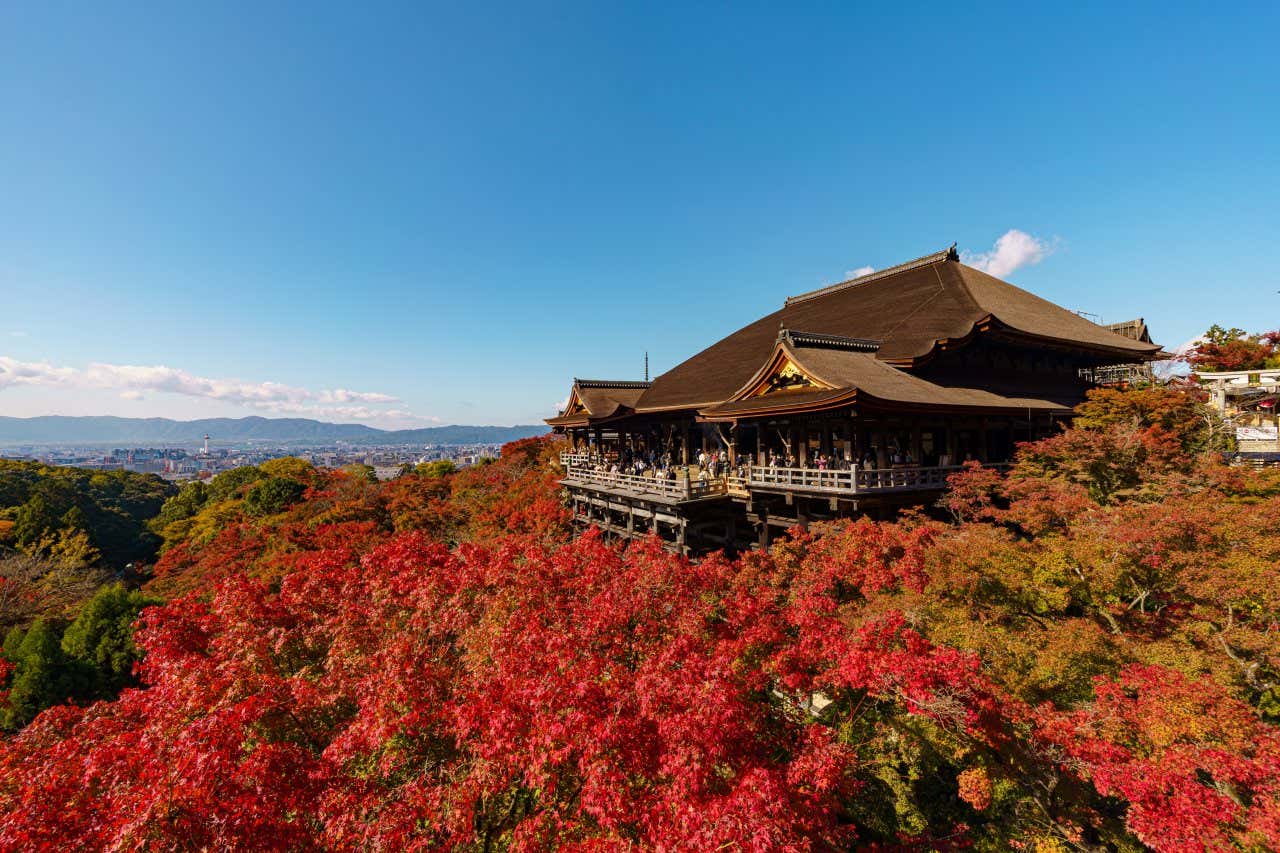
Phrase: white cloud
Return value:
(18, 333)
(342, 395)
(14, 372)
(132, 381)
(1014, 249)
(859, 272)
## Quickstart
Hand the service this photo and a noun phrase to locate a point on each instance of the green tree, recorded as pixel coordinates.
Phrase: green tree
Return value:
(438, 468)
(101, 637)
(229, 484)
(35, 520)
(43, 675)
(361, 471)
(290, 467)
(187, 502)
(273, 495)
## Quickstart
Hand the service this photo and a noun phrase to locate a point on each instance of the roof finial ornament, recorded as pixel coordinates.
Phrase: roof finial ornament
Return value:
(952, 254)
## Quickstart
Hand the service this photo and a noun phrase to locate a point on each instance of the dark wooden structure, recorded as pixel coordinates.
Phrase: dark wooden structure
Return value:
(855, 398)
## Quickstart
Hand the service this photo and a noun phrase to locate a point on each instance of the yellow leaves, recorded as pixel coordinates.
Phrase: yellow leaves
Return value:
(211, 520)
(290, 467)
(1052, 577)
(72, 549)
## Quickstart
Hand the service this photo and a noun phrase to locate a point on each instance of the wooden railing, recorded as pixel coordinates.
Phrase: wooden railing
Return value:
(681, 488)
(852, 481)
(568, 460)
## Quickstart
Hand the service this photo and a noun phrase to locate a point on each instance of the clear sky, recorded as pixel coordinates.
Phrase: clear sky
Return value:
(400, 213)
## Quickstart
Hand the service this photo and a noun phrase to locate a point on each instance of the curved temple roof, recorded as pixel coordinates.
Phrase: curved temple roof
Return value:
(597, 399)
(862, 337)
(840, 374)
(911, 309)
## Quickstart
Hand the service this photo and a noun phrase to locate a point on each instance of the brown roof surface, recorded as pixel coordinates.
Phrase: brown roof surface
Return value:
(1133, 329)
(604, 402)
(849, 370)
(908, 308)
(602, 398)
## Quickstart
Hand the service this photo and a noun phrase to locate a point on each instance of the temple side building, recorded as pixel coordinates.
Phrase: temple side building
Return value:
(855, 398)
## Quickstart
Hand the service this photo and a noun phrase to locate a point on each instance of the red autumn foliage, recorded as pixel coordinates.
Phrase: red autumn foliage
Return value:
(536, 696)
(1086, 657)
(1233, 349)
(1197, 768)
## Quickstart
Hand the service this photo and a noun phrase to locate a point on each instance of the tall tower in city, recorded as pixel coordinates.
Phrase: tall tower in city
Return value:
(206, 444)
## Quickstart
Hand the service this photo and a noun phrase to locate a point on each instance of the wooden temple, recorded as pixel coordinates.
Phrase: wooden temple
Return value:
(855, 398)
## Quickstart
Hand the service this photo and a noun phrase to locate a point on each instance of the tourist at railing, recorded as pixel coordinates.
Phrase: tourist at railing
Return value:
(659, 462)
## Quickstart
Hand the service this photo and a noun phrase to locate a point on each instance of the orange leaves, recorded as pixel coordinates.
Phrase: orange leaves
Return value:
(975, 788)
(1197, 768)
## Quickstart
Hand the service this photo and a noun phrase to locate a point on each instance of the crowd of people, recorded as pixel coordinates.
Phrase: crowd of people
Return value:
(714, 464)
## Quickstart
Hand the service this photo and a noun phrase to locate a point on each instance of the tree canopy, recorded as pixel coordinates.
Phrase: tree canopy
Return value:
(1080, 654)
(1236, 349)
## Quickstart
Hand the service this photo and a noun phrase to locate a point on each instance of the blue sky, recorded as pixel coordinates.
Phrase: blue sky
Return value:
(404, 213)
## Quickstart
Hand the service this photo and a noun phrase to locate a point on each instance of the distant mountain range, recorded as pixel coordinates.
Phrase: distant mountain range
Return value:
(60, 429)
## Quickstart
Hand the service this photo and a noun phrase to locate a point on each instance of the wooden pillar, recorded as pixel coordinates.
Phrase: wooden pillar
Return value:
(982, 441)
(915, 440)
(684, 443)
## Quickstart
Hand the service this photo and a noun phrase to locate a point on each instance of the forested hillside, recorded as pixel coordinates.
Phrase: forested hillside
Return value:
(102, 514)
(1080, 654)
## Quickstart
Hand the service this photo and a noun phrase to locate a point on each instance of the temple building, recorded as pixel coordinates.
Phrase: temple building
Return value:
(859, 397)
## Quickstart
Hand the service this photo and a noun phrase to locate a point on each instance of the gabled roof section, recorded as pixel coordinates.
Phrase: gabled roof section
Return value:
(912, 310)
(785, 371)
(842, 375)
(1134, 330)
(598, 399)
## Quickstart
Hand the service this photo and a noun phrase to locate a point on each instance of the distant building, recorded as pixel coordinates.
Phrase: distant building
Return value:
(1248, 399)
(1137, 373)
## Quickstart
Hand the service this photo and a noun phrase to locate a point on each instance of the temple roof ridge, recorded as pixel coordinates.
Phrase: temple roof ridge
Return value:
(610, 383)
(798, 338)
(948, 254)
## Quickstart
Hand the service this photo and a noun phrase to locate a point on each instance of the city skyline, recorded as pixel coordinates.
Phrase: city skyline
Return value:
(418, 216)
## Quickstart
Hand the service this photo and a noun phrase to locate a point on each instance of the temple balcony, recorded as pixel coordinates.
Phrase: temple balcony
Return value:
(852, 482)
(582, 474)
